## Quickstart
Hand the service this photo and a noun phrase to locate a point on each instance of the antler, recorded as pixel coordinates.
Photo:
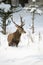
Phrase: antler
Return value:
(22, 23)
(14, 22)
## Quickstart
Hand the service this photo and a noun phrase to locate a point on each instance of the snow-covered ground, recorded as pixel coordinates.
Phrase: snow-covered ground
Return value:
(27, 52)
(30, 48)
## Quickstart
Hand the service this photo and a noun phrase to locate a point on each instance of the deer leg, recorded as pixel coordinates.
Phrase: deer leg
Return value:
(17, 42)
(17, 45)
(11, 44)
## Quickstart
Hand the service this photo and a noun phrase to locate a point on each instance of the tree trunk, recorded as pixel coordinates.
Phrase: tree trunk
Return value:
(4, 24)
(33, 23)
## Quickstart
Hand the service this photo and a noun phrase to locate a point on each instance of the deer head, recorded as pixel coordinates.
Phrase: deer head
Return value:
(19, 27)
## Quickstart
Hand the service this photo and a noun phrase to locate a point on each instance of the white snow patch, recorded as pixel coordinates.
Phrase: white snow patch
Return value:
(5, 7)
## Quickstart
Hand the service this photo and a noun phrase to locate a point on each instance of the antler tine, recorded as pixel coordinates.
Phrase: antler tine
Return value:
(22, 23)
(13, 21)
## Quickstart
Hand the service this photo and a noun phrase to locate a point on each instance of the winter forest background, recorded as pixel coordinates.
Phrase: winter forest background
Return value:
(30, 47)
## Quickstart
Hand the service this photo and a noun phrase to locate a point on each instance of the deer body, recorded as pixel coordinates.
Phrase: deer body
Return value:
(14, 38)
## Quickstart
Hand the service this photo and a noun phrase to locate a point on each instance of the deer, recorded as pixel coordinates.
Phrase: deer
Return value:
(14, 38)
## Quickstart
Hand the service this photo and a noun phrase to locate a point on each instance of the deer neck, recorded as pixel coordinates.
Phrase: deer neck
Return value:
(17, 34)
(17, 31)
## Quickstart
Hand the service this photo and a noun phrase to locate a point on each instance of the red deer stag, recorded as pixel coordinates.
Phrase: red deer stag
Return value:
(14, 38)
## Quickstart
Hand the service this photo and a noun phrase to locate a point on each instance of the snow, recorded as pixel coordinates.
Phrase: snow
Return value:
(39, 11)
(33, 9)
(27, 52)
(5, 7)
(36, 10)
(30, 48)
(34, 0)
(26, 8)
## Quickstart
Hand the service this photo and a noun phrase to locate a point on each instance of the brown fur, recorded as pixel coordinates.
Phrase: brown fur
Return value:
(14, 38)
